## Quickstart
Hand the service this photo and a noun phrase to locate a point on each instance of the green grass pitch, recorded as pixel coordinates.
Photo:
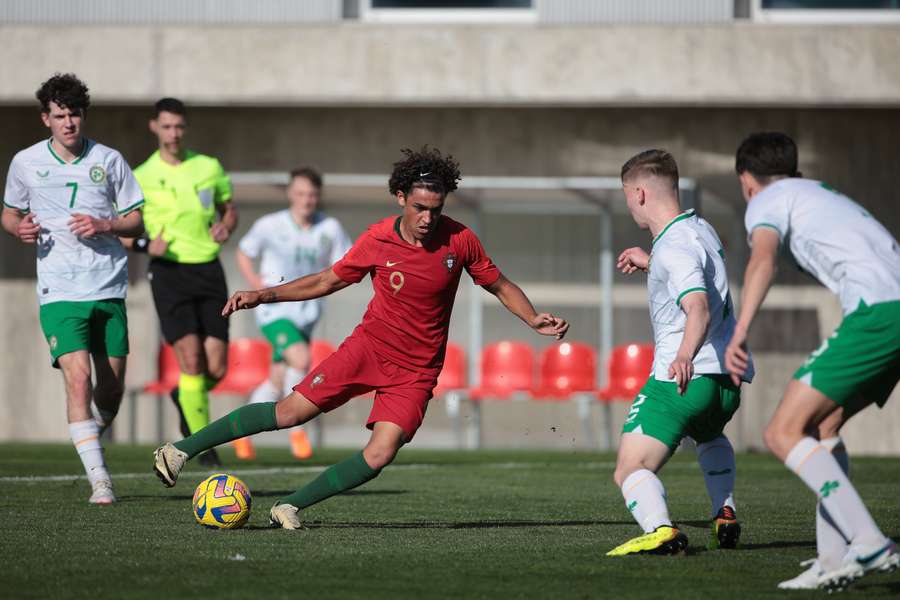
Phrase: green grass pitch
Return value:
(435, 524)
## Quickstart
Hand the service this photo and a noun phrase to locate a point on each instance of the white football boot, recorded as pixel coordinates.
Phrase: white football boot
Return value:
(168, 462)
(286, 516)
(103, 492)
(859, 561)
(807, 580)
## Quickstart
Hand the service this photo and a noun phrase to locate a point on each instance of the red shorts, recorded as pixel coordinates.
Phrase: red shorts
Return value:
(401, 395)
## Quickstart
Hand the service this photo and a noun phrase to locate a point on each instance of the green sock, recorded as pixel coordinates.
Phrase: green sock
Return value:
(346, 475)
(246, 420)
(194, 401)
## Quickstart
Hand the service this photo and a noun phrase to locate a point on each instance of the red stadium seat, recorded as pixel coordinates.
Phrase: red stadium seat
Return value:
(168, 372)
(248, 366)
(629, 368)
(453, 375)
(319, 350)
(564, 369)
(506, 367)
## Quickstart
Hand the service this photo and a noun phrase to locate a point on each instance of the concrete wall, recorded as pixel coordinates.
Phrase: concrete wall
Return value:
(364, 64)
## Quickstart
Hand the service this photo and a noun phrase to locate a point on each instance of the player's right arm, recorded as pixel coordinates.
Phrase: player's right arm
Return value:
(633, 259)
(758, 279)
(17, 218)
(245, 266)
(20, 225)
(317, 285)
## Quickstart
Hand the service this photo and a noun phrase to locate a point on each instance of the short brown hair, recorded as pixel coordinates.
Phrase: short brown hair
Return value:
(657, 163)
(309, 173)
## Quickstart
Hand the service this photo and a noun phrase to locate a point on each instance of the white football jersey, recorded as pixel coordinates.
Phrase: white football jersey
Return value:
(288, 251)
(687, 257)
(832, 238)
(98, 183)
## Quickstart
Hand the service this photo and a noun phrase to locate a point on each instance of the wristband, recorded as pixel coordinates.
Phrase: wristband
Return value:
(141, 244)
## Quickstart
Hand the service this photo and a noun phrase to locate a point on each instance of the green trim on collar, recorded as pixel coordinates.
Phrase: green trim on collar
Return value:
(686, 214)
(86, 144)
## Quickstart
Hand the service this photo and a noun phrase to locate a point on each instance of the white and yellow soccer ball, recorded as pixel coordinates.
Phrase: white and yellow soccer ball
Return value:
(222, 501)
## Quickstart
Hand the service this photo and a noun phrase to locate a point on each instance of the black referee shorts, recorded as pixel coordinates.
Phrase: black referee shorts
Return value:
(189, 298)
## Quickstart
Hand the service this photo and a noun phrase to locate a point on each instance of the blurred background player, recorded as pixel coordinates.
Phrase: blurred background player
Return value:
(72, 197)
(290, 243)
(415, 261)
(839, 243)
(185, 193)
(689, 392)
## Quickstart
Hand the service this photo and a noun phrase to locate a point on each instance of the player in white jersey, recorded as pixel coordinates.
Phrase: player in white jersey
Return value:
(840, 244)
(290, 244)
(72, 197)
(689, 393)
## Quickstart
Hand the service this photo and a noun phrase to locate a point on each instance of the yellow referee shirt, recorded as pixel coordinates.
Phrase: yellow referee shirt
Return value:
(180, 200)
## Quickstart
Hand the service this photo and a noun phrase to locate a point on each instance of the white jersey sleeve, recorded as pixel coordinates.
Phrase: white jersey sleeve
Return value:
(254, 241)
(772, 211)
(683, 267)
(126, 191)
(16, 194)
(340, 242)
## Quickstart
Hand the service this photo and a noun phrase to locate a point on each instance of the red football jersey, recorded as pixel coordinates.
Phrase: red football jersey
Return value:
(409, 315)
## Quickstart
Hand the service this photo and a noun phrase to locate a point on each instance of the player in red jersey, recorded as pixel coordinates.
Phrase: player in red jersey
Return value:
(415, 261)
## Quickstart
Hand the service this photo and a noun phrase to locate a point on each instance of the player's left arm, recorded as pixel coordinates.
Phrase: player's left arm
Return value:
(515, 300)
(128, 225)
(222, 229)
(758, 278)
(696, 306)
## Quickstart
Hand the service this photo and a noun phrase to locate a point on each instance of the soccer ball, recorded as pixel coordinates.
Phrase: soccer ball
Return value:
(222, 501)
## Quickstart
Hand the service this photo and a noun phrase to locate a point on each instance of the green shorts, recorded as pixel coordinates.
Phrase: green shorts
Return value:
(861, 359)
(702, 413)
(98, 326)
(282, 334)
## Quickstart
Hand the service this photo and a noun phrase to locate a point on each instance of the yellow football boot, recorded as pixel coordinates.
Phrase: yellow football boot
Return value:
(664, 540)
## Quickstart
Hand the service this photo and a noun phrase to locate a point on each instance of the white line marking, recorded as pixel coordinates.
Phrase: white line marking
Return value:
(298, 470)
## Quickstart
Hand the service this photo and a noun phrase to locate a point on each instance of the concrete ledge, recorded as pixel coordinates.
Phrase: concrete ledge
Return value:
(362, 64)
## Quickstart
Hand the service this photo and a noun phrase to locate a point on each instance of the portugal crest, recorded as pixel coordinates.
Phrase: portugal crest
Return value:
(450, 261)
(98, 175)
(318, 379)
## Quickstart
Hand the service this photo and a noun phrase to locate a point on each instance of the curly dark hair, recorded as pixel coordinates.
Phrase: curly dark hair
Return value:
(426, 168)
(66, 90)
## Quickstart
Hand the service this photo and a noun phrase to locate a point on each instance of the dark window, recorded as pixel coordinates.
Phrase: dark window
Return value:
(830, 4)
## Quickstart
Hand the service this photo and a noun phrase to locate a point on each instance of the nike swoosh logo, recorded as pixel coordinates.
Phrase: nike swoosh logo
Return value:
(864, 560)
(391, 264)
(44, 174)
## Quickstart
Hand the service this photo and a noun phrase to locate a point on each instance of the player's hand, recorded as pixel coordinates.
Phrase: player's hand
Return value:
(633, 259)
(86, 226)
(219, 233)
(737, 357)
(240, 301)
(681, 370)
(158, 246)
(547, 324)
(28, 230)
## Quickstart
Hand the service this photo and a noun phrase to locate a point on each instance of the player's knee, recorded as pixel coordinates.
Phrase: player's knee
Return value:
(378, 456)
(78, 383)
(773, 437)
(623, 471)
(110, 390)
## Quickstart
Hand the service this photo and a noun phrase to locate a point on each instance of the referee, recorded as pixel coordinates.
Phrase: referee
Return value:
(185, 192)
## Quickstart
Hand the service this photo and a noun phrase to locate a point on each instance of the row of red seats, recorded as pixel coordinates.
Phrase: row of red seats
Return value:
(506, 368)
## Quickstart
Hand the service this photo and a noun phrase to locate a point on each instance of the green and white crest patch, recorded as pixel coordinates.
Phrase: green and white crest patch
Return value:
(98, 174)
